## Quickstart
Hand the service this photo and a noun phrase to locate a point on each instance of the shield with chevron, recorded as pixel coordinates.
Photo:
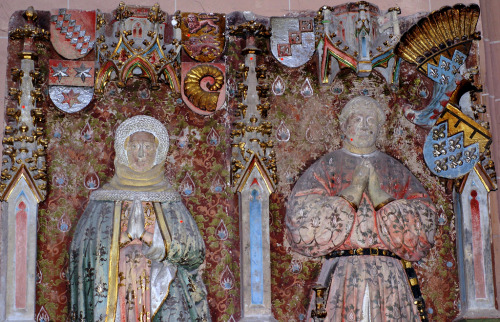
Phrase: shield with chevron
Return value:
(72, 32)
(454, 144)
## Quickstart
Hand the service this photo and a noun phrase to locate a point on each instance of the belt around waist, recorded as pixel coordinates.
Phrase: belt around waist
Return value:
(362, 252)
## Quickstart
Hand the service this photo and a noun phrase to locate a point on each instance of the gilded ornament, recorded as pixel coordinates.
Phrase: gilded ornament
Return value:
(36, 77)
(263, 108)
(242, 91)
(440, 34)
(122, 12)
(261, 71)
(15, 94)
(155, 15)
(241, 110)
(204, 87)
(242, 71)
(16, 74)
(263, 90)
(100, 21)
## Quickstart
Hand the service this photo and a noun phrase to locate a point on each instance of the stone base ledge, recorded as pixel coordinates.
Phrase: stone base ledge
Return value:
(479, 315)
(259, 318)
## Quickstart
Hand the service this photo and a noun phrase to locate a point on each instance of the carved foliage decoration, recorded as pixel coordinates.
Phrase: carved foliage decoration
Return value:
(252, 133)
(24, 143)
(23, 180)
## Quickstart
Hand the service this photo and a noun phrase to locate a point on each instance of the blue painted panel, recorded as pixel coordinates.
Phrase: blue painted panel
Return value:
(256, 266)
(363, 47)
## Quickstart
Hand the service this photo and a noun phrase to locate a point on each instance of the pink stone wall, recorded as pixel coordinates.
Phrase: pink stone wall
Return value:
(490, 64)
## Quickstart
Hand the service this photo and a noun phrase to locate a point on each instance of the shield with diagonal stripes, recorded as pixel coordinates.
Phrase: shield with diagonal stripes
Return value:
(72, 32)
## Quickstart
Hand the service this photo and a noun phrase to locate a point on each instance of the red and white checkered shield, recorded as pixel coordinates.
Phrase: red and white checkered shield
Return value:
(72, 32)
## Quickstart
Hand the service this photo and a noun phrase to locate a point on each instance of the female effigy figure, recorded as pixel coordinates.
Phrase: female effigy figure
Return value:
(136, 249)
(364, 211)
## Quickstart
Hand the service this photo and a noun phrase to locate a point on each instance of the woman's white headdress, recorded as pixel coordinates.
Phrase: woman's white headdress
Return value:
(141, 123)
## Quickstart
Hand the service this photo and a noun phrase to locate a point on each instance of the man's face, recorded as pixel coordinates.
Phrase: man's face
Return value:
(361, 127)
(141, 151)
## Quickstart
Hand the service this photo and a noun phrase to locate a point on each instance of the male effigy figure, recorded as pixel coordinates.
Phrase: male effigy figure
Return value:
(364, 211)
(136, 249)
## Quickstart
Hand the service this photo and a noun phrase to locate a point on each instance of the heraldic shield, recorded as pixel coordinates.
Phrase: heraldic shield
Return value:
(203, 87)
(72, 32)
(203, 35)
(453, 146)
(71, 84)
(292, 41)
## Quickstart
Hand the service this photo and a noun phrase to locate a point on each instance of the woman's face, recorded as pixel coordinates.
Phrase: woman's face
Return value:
(141, 151)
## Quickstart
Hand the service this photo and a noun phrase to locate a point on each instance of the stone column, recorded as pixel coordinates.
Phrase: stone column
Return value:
(477, 292)
(253, 176)
(23, 181)
(255, 249)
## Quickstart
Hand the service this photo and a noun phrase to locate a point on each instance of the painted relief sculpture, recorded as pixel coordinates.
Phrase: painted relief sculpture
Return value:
(251, 100)
(136, 250)
(365, 212)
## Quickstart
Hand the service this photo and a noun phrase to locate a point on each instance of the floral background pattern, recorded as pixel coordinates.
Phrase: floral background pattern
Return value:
(305, 126)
